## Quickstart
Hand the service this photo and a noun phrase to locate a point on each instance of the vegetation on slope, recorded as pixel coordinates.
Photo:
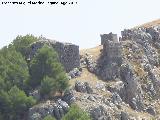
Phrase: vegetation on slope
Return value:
(17, 77)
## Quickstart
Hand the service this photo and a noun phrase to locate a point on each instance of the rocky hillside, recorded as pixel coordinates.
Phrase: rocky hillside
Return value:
(150, 24)
(117, 80)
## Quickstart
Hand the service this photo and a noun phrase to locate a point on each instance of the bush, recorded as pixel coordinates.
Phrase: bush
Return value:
(49, 117)
(75, 113)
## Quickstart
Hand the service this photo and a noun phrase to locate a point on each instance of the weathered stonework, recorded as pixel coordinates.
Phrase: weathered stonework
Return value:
(110, 36)
(111, 47)
(68, 53)
(111, 59)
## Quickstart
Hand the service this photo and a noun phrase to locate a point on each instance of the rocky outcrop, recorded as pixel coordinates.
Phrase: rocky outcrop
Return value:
(88, 62)
(130, 70)
(68, 53)
(76, 72)
(69, 96)
(83, 87)
(131, 93)
(56, 109)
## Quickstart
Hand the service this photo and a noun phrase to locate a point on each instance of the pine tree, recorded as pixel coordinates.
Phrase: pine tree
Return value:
(22, 43)
(45, 67)
(13, 68)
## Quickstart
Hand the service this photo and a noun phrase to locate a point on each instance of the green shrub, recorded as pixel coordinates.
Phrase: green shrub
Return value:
(75, 113)
(49, 117)
(13, 68)
(46, 68)
(14, 103)
(22, 43)
(47, 85)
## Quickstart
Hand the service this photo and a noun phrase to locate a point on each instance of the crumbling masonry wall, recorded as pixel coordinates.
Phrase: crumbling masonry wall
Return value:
(111, 59)
(68, 53)
(111, 47)
(106, 37)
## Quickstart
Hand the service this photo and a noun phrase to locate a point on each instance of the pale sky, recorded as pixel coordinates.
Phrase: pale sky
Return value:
(80, 23)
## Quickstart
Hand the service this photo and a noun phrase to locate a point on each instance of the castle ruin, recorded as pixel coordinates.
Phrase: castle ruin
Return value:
(68, 53)
(111, 47)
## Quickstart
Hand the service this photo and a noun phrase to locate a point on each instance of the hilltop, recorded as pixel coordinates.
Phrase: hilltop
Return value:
(116, 80)
(150, 24)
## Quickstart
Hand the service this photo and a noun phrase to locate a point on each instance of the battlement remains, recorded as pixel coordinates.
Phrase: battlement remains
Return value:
(111, 47)
(68, 53)
(110, 36)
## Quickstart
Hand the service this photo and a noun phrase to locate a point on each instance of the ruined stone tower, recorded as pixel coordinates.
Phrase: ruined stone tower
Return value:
(110, 36)
(111, 47)
(68, 53)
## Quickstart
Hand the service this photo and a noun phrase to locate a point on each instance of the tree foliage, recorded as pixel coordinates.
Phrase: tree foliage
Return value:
(49, 117)
(14, 103)
(45, 72)
(14, 73)
(47, 85)
(21, 43)
(13, 68)
(46, 69)
(76, 113)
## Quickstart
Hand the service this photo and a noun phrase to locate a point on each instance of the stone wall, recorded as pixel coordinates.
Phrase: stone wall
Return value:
(111, 59)
(68, 53)
(110, 36)
(111, 47)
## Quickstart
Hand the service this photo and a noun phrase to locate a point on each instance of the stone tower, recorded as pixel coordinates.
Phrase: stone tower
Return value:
(111, 47)
(110, 36)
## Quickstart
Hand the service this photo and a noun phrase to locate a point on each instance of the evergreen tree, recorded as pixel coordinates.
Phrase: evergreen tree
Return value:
(13, 68)
(75, 113)
(20, 103)
(45, 67)
(47, 85)
(22, 43)
(14, 103)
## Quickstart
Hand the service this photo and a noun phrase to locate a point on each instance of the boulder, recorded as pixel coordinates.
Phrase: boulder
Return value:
(83, 87)
(74, 73)
(56, 109)
(80, 87)
(124, 115)
(99, 113)
(69, 96)
(151, 110)
(116, 99)
(88, 88)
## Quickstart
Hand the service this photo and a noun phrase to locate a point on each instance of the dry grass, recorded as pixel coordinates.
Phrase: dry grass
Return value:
(149, 24)
(86, 76)
(92, 79)
(138, 114)
(96, 51)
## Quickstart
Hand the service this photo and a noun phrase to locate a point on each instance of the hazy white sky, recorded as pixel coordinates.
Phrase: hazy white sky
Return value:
(81, 23)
